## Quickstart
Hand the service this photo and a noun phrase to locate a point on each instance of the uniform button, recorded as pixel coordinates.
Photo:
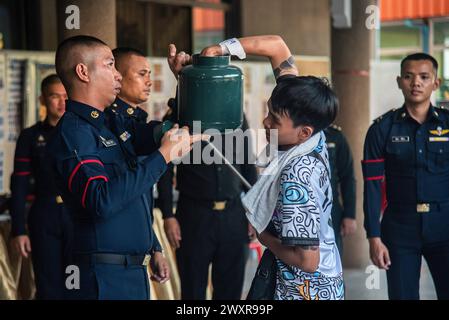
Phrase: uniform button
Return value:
(420, 150)
(441, 150)
(419, 132)
(219, 168)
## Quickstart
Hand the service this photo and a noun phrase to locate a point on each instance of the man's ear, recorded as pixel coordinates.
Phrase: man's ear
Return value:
(437, 84)
(398, 81)
(82, 72)
(305, 132)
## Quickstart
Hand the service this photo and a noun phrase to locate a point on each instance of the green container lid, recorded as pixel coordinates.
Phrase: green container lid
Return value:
(204, 61)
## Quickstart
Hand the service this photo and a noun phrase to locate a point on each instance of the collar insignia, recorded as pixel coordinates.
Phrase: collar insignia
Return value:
(107, 143)
(94, 114)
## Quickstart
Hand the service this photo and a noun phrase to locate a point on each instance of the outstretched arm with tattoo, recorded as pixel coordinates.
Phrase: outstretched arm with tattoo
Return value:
(272, 47)
(306, 258)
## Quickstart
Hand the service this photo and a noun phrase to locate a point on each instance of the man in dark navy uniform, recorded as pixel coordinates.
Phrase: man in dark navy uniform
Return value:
(409, 148)
(136, 83)
(48, 223)
(104, 185)
(342, 180)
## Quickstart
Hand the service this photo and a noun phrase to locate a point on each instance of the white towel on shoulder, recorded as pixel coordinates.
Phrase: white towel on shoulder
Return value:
(260, 200)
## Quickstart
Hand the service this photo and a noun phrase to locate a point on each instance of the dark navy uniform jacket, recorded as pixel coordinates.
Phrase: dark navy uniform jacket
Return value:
(137, 114)
(413, 159)
(105, 187)
(342, 170)
(30, 163)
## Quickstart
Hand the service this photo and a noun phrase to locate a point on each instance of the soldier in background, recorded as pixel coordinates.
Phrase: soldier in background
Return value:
(343, 182)
(48, 233)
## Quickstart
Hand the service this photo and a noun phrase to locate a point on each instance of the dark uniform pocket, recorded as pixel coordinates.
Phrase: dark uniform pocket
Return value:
(400, 159)
(437, 156)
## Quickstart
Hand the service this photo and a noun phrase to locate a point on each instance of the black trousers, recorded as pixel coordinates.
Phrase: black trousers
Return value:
(50, 233)
(409, 236)
(210, 236)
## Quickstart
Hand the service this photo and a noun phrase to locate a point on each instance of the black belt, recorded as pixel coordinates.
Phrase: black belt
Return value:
(422, 207)
(112, 258)
(51, 198)
(211, 204)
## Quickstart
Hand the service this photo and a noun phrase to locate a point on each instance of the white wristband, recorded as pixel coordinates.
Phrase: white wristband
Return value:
(224, 49)
(233, 47)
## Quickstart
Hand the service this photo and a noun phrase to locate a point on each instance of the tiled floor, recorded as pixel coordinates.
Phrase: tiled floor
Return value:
(357, 290)
(355, 281)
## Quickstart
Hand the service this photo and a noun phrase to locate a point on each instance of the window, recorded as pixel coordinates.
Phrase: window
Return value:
(405, 37)
(208, 26)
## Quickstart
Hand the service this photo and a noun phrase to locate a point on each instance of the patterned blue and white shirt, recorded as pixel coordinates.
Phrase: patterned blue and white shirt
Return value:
(303, 218)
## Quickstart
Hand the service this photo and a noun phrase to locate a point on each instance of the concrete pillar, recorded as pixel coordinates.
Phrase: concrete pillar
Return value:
(48, 25)
(97, 18)
(352, 50)
(304, 25)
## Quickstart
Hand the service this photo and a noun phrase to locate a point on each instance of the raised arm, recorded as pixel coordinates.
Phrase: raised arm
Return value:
(271, 46)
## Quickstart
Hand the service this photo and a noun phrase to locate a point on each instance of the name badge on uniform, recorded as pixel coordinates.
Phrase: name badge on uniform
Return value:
(125, 136)
(108, 142)
(400, 139)
(438, 139)
(330, 144)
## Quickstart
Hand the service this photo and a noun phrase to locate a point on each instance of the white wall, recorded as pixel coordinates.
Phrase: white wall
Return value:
(385, 94)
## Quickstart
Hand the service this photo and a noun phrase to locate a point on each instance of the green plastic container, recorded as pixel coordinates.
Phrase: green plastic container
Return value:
(211, 91)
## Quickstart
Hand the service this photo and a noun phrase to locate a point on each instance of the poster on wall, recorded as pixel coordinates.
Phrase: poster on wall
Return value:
(3, 117)
(15, 97)
(162, 89)
(3, 100)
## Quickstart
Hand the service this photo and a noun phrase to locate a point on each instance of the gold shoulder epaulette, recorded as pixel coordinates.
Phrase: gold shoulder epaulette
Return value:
(378, 119)
(334, 126)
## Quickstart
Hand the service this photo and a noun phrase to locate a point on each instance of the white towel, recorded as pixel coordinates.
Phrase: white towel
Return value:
(260, 200)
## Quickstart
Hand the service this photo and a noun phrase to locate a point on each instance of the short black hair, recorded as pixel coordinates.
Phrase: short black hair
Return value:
(48, 81)
(67, 49)
(421, 56)
(124, 52)
(307, 100)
